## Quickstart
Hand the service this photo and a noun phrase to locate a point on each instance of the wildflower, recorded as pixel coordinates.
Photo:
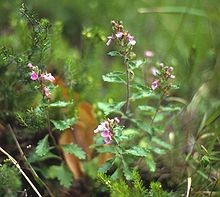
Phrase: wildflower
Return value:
(154, 71)
(106, 129)
(48, 77)
(102, 126)
(119, 34)
(30, 65)
(46, 92)
(34, 76)
(107, 140)
(110, 38)
(155, 84)
(131, 40)
(149, 54)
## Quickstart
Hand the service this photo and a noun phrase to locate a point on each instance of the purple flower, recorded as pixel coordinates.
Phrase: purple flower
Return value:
(48, 77)
(131, 40)
(108, 139)
(155, 84)
(116, 119)
(154, 71)
(46, 92)
(34, 76)
(110, 38)
(149, 54)
(103, 126)
(105, 133)
(30, 65)
(119, 34)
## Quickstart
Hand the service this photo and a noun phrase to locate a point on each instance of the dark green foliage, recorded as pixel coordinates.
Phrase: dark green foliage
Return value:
(10, 181)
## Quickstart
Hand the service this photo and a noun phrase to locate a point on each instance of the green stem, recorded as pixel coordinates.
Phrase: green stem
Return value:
(127, 104)
(157, 110)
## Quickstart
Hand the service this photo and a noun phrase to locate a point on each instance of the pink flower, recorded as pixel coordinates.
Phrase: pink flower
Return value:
(108, 139)
(105, 133)
(110, 38)
(30, 65)
(116, 119)
(34, 76)
(131, 40)
(149, 53)
(46, 92)
(48, 77)
(155, 84)
(119, 34)
(154, 71)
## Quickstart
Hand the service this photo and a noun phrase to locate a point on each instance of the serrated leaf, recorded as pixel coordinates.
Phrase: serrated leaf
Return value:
(62, 173)
(60, 104)
(34, 157)
(63, 124)
(136, 64)
(106, 166)
(75, 150)
(106, 149)
(161, 143)
(137, 151)
(43, 146)
(126, 171)
(141, 95)
(147, 109)
(108, 108)
(114, 53)
(114, 77)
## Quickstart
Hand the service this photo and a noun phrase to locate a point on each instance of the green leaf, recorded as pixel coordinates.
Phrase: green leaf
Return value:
(43, 146)
(108, 108)
(63, 124)
(213, 116)
(173, 9)
(106, 166)
(60, 104)
(150, 163)
(170, 109)
(161, 143)
(147, 109)
(126, 171)
(136, 64)
(62, 173)
(114, 77)
(137, 151)
(34, 157)
(75, 150)
(114, 53)
(106, 149)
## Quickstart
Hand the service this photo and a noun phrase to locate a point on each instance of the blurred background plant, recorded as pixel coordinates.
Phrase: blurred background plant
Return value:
(70, 42)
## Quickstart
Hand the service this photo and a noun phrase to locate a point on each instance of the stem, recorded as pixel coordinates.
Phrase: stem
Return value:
(127, 104)
(157, 110)
(51, 135)
(21, 171)
(27, 164)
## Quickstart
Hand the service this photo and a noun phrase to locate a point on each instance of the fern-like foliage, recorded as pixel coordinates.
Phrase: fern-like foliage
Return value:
(10, 181)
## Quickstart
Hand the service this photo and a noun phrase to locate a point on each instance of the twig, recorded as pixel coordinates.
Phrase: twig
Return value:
(22, 172)
(27, 164)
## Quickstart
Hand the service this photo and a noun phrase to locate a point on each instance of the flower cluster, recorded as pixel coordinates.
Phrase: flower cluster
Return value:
(106, 129)
(124, 37)
(42, 78)
(163, 76)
